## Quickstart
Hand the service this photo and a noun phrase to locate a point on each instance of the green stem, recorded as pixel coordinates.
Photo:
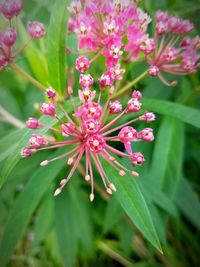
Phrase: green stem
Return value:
(128, 86)
(27, 76)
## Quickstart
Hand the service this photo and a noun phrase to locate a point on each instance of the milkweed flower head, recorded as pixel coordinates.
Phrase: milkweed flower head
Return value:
(174, 52)
(11, 9)
(92, 132)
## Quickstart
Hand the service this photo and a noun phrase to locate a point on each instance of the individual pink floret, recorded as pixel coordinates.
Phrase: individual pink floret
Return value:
(37, 141)
(82, 64)
(33, 123)
(36, 29)
(146, 135)
(48, 109)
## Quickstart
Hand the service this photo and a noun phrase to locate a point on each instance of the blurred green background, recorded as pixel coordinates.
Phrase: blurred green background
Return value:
(38, 230)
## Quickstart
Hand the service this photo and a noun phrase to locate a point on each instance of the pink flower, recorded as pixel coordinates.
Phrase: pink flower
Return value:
(169, 56)
(148, 116)
(33, 123)
(11, 8)
(36, 29)
(26, 152)
(146, 135)
(115, 107)
(105, 80)
(86, 80)
(82, 64)
(48, 109)
(91, 137)
(9, 37)
(116, 72)
(136, 158)
(134, 105)
(137, 94)
(51, 93)
(37, 141)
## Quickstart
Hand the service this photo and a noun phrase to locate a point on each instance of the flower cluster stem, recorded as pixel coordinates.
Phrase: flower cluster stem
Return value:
(24, 74)
(128, 86)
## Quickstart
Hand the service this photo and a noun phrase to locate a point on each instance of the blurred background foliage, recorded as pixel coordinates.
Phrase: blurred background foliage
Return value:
(37, 229)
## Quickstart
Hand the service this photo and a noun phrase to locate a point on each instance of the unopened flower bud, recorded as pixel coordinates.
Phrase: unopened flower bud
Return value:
(63, 182)
(36, 29)
(48, 109)
(134, 105)
(137, 94)
(33, 123)
(109, 191)
(146, 135)
(91, 197)
(44, 163)
(26, 152)
(137, 158)
(87, 177)
(57, 192)
(115, 107)
(112, 187)
(51, 93)
(70, 161)
(11, 8)
(9, 37)
(153, 70)
(148, 116)
(122, 172)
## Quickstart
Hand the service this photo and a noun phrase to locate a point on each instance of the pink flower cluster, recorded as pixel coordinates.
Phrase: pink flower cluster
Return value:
(10, 10)
(92, 132)
(103, 25)
(173, 53)
(112, 27)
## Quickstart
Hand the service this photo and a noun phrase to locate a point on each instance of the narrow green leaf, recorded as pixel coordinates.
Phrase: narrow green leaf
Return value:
(132, 201)
(82, 214)
(187, 201)
(65, 227)
(112, 214)
(181, 112)
(168, 155)
(15, 156)
(56, 46)
(24, 208)
(44, 219)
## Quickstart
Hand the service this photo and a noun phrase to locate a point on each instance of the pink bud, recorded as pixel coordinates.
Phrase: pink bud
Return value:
(33, 123)
(146, 135)
(9, 37)
(3, 62)
(136, 158)
(82, 64)
(105, 80)
(153, 70)
(36, 29)
(26, 152)
(11, 8)
(148, 116)
(68, 128)
(127, 134)
(134, 105)
(37, 141)
(50, 93)
(86, 80)
(137, 94)
(115, 107)
(48, 109)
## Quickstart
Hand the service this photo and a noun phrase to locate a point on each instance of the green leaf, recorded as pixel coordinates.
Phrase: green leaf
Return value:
(15, 156)
(24, 208)
(56, 46)
(82, 214)
(44, 219)
(185, 114)
(112, 214)
(65, 227)
(132, 201)
(187, 201)
(168, 155)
